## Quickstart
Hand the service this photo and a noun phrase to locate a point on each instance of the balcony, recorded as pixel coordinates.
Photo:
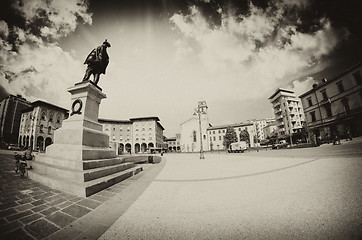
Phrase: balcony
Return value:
(276, 104)
(277, 110)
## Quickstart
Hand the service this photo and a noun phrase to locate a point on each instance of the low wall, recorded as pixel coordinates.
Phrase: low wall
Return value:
(143, 158)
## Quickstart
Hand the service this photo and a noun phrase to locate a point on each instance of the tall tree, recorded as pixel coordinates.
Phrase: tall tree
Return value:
(230, 137)
(244, 136)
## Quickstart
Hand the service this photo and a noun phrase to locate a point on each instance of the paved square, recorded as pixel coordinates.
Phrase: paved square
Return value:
(313, 193)
(276, 194)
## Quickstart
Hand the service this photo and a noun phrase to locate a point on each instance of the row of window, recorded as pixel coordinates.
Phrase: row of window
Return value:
(41, 129)
(43, 117)
(219, 131)
(328, 109)
(224, 131)
(128, 129)
(128, 138)
(358, 78)
(214, 138)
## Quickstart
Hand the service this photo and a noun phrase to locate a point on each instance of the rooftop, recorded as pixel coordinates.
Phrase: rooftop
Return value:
(230, 125)
(327, 81)
(42, 103)
(102, 120)
(280, 90)
(145, 118)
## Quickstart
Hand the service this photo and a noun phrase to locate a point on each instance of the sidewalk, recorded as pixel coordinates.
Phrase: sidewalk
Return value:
(29, 210)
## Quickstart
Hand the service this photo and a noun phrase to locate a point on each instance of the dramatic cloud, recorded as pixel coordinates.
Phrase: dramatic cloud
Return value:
(300, 87)
(263, 47)
(53, 18)
(31, 62)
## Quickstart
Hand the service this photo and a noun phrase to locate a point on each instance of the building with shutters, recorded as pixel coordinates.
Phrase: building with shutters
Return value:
(216, 134)
(333, 107)
(38, 123)
(137, 135)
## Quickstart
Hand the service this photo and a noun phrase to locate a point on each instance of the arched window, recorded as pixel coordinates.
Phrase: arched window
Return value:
(58, 119)
(43, 116)
(51, 117)
(41, 128)
(49, 130)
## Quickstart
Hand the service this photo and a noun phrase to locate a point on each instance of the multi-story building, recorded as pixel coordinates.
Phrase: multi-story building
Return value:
(38, 124)
(288, 113)
(216, 134)
(147, 134)
(334, 106)
(173, 144)
(259, 127)
(135, 135)
(270, 129)
(120, 132)
(10, 115)
(194, 130)
(178, 142)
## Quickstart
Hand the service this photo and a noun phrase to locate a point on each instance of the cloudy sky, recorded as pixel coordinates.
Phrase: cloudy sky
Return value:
(168, 55)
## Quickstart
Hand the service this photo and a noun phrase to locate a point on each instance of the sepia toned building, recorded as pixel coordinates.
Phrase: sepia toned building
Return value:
(147, 134)
(259, 127)
(270, 130)
(333, 107)
(120, 132)
(216, 134)
(173, 143)
(288, 111)
(38, 124)
(10, 114)
(194, 130)
(137, 135)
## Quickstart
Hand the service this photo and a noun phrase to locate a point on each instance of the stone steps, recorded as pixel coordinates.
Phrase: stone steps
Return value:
(84, 189)
(89, 164)
(99, 184)
(95, 173)
(81, 178)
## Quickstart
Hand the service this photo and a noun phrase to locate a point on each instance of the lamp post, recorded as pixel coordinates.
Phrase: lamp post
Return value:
(199, 111)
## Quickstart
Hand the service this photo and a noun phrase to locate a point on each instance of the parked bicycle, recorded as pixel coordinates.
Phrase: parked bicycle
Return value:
(21, 164)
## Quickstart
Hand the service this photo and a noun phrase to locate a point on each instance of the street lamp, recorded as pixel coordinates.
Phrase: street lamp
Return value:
(200, 110)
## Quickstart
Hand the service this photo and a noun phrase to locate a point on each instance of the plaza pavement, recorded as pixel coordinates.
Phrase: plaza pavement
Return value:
(30, 210)
(311, 193)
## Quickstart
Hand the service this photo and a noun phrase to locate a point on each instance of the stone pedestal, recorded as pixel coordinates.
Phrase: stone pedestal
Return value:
(80, 161)
(81, 134)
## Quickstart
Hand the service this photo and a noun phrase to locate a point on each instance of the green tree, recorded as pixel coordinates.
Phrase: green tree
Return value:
(244, 136)
(230, 137)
